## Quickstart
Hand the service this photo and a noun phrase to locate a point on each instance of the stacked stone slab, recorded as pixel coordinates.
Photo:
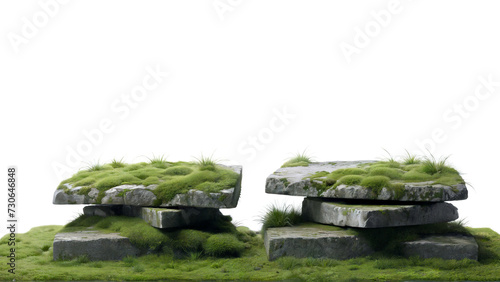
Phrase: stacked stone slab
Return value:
(193, 208)
(355, 206)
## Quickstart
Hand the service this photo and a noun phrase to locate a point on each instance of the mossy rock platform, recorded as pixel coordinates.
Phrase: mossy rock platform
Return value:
(375, 215)
(368, 180)
(165, 184)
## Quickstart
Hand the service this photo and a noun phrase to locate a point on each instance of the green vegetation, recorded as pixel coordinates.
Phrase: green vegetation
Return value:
(276, 216)
(221, 245)
(410, 159)
(159, 162)
(171, 177)
(389, 174)
(207, 163)
(220, 239)
(33, 263)
(300, 159)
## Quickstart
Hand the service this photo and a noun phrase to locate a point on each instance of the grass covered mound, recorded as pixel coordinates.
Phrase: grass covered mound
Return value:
(391, 174)
(171, 178)
(34, 262)
(218, 239)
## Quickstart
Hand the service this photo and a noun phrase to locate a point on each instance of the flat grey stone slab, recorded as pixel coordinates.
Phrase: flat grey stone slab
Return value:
(169, 218)
(376, 216)
(139, 195)
(314, 241)
(294, 181)
(158, 217)
(93, 244)
(442, 246)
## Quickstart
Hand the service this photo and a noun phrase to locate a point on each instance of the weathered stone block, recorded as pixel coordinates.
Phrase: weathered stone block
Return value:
(374, 215)
(442, 246)
(314, 240)
(93, 244)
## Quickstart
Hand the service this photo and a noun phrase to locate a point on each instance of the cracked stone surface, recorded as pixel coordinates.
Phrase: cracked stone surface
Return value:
(294, 181)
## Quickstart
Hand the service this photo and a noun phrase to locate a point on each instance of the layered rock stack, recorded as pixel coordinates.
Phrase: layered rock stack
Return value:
(342, 197)
(174, 197)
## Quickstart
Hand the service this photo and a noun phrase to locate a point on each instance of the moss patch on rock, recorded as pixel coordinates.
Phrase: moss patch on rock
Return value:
(171, 178)
(386, 174)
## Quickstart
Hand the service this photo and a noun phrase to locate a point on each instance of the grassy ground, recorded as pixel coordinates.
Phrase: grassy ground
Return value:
(34, 262)
(172, 178)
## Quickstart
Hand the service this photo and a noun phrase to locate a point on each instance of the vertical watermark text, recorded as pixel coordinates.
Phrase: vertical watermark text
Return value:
(11, 217)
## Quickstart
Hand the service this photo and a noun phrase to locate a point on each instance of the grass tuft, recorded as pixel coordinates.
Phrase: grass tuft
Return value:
(117, 163)
(158, 161)
(300, 159)
(432, 166)
(207, 163)
(276, 216)
(410, 159)
(95, 167)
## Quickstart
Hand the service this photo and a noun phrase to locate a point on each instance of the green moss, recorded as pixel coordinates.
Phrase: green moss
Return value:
(349, 180)
(148, 238)
(285, 181)
(415, 176)
(221, 245)
(84, 191)
(295, 163)
(178, 170)
(389, 174)
(151, 180)
(337, 174)
(190, 240)
(116, 180)
(171, 178)
(318, 175)
(392, 173)
(376, 183)
(320, 185)
(205, 180)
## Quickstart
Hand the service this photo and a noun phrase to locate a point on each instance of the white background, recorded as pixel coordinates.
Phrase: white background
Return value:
(230, 72)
